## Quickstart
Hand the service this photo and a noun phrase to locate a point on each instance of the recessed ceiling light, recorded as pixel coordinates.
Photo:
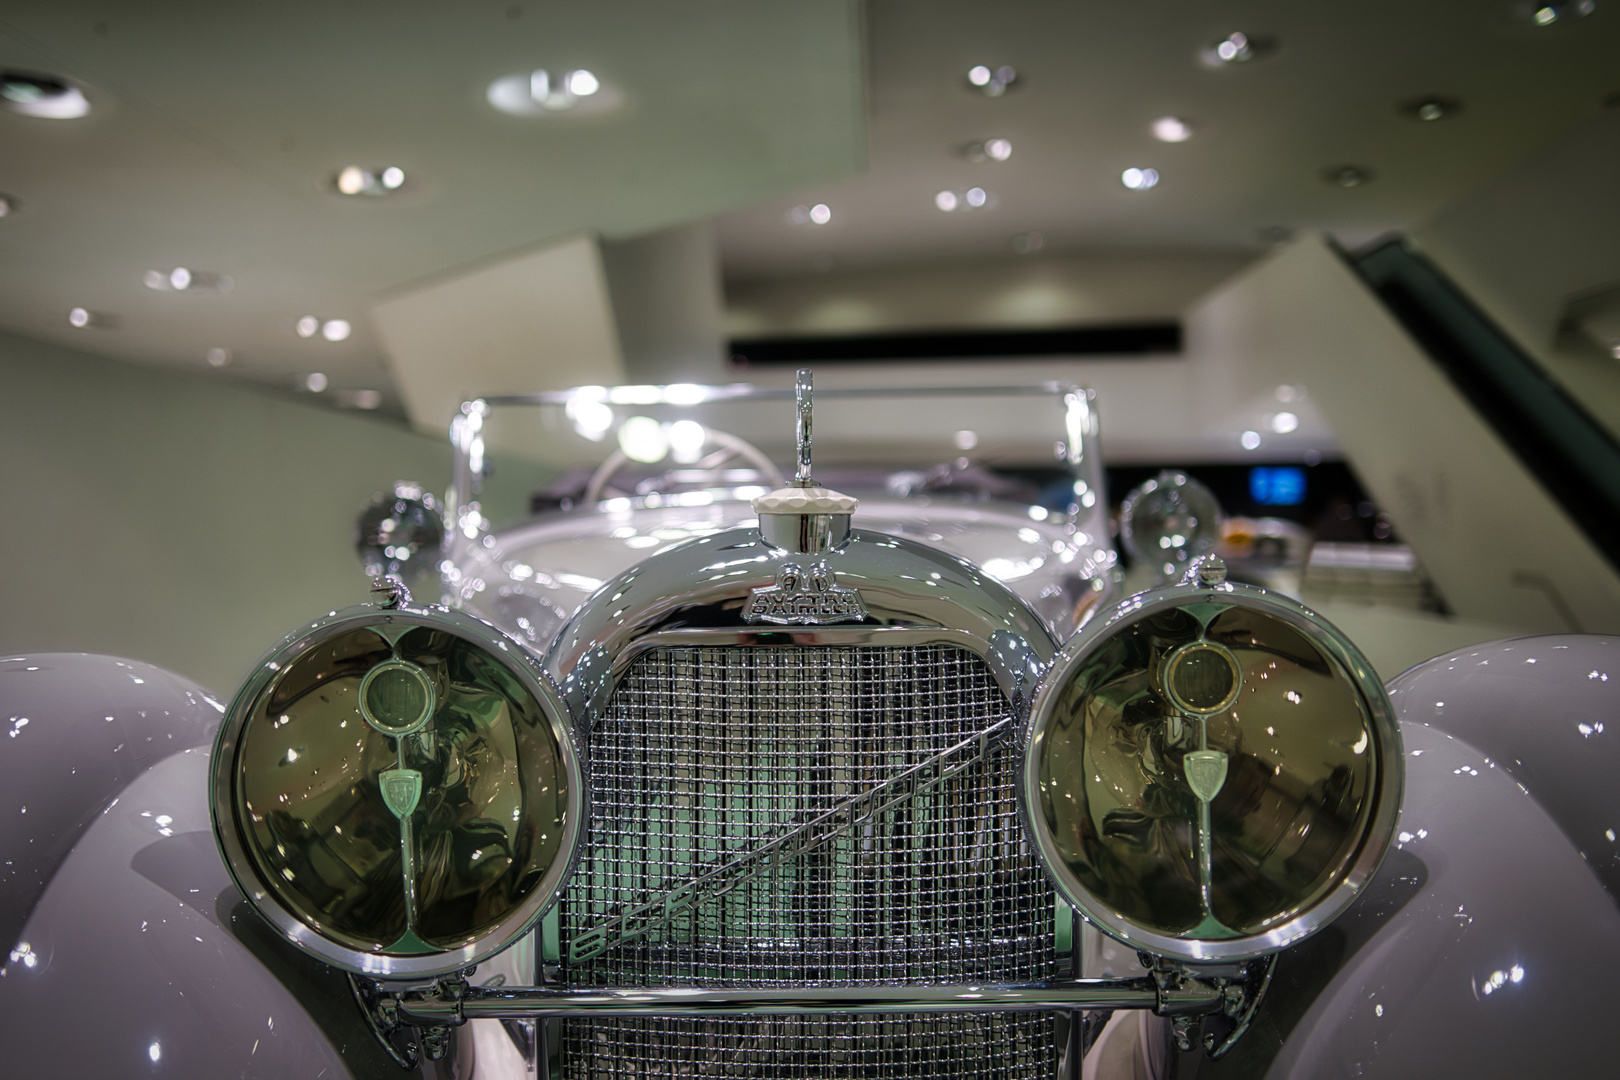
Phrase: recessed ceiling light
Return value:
(971, 199)
(1347, 176)
(1430, 108)
(1139, 179)
(185, 279)
(1249, 440)
(988, 150)
(991, 82)
(1240, 48)
(1172, 129)
(1285, 422)
(335, 329)
(354, 180)
(545, 93)
(315, 382)
(1550, 14)
(42, 95)
(307, 326)
(217, 356)
(818, 214)
(83, 317)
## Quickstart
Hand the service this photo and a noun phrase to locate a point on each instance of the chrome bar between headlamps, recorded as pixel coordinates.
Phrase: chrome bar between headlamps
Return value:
(1191, 997)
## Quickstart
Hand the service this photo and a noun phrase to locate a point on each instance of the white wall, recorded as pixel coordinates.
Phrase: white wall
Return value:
(1542, 234)
(1499, 548)
(180, 519)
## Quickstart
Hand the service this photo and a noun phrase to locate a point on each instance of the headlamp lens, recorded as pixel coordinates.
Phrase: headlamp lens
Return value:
(399, 790)
(1205, 772)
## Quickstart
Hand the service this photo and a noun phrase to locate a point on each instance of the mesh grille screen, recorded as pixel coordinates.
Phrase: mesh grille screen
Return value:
(703, 755)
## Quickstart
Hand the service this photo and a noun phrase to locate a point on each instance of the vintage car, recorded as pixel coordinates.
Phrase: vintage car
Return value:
(725, 773)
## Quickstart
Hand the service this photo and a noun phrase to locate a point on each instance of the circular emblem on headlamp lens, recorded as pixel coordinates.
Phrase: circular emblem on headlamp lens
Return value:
(397, 698)
(1202, 677)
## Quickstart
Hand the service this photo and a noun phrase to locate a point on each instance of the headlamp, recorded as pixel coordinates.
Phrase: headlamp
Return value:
(1212, 771)
(395, 789)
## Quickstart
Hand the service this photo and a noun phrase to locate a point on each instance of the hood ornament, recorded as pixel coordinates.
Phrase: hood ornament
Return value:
(804, 519)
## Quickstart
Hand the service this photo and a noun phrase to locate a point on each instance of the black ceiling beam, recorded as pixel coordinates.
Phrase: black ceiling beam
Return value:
(1120, 340)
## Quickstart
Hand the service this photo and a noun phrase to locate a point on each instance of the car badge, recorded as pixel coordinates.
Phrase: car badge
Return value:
(401, 790)
(1206, 773)
(808, 599)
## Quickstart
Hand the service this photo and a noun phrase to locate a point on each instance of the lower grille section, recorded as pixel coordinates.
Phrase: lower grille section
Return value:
(992, 1046)
(729, 847)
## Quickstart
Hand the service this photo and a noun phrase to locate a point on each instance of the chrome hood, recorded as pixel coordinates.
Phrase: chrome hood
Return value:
(699, 591)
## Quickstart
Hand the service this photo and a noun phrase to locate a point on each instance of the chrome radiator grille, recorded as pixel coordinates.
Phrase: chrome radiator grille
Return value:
(705, 754)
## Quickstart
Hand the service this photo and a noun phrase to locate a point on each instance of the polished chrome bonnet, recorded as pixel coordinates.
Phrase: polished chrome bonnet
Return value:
(699, 592)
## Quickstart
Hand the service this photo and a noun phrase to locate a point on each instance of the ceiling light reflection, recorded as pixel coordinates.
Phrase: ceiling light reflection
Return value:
(315, 382)
(43, 96)
(1284, 422)
(1139, 179)
(590, 415)
(1249, 440)
(643, 439)
(335, 329)
(1171, 129)
(307, 326)
(991, 83)
(946, 201)
(686, 439)
(540, 93)
(217, 356)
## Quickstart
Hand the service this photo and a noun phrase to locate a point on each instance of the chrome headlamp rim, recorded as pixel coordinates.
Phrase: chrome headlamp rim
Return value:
(1380, 716)
(240, 863)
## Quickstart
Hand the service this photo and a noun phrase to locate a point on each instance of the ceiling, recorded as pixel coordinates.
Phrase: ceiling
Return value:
(1092, 78)
(215, 135)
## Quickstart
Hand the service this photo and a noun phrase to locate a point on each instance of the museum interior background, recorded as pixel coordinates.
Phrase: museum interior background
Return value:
(251, 259)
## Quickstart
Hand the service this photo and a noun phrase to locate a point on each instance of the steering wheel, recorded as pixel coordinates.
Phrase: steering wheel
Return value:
(728, 446)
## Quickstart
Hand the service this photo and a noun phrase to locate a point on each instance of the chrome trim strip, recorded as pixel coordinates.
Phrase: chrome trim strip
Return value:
(1192, 997)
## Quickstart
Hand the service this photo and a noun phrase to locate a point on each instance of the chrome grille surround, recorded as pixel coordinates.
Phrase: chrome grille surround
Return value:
(705, 752)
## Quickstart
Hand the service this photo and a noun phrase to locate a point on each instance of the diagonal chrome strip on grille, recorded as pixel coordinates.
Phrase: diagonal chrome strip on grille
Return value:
(877, 774)
(795, 842)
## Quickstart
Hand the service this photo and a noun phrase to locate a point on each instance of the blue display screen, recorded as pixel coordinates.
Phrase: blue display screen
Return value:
(1277, 485)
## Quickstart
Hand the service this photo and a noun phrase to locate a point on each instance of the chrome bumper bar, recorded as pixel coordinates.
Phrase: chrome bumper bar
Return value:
(456, 1003)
